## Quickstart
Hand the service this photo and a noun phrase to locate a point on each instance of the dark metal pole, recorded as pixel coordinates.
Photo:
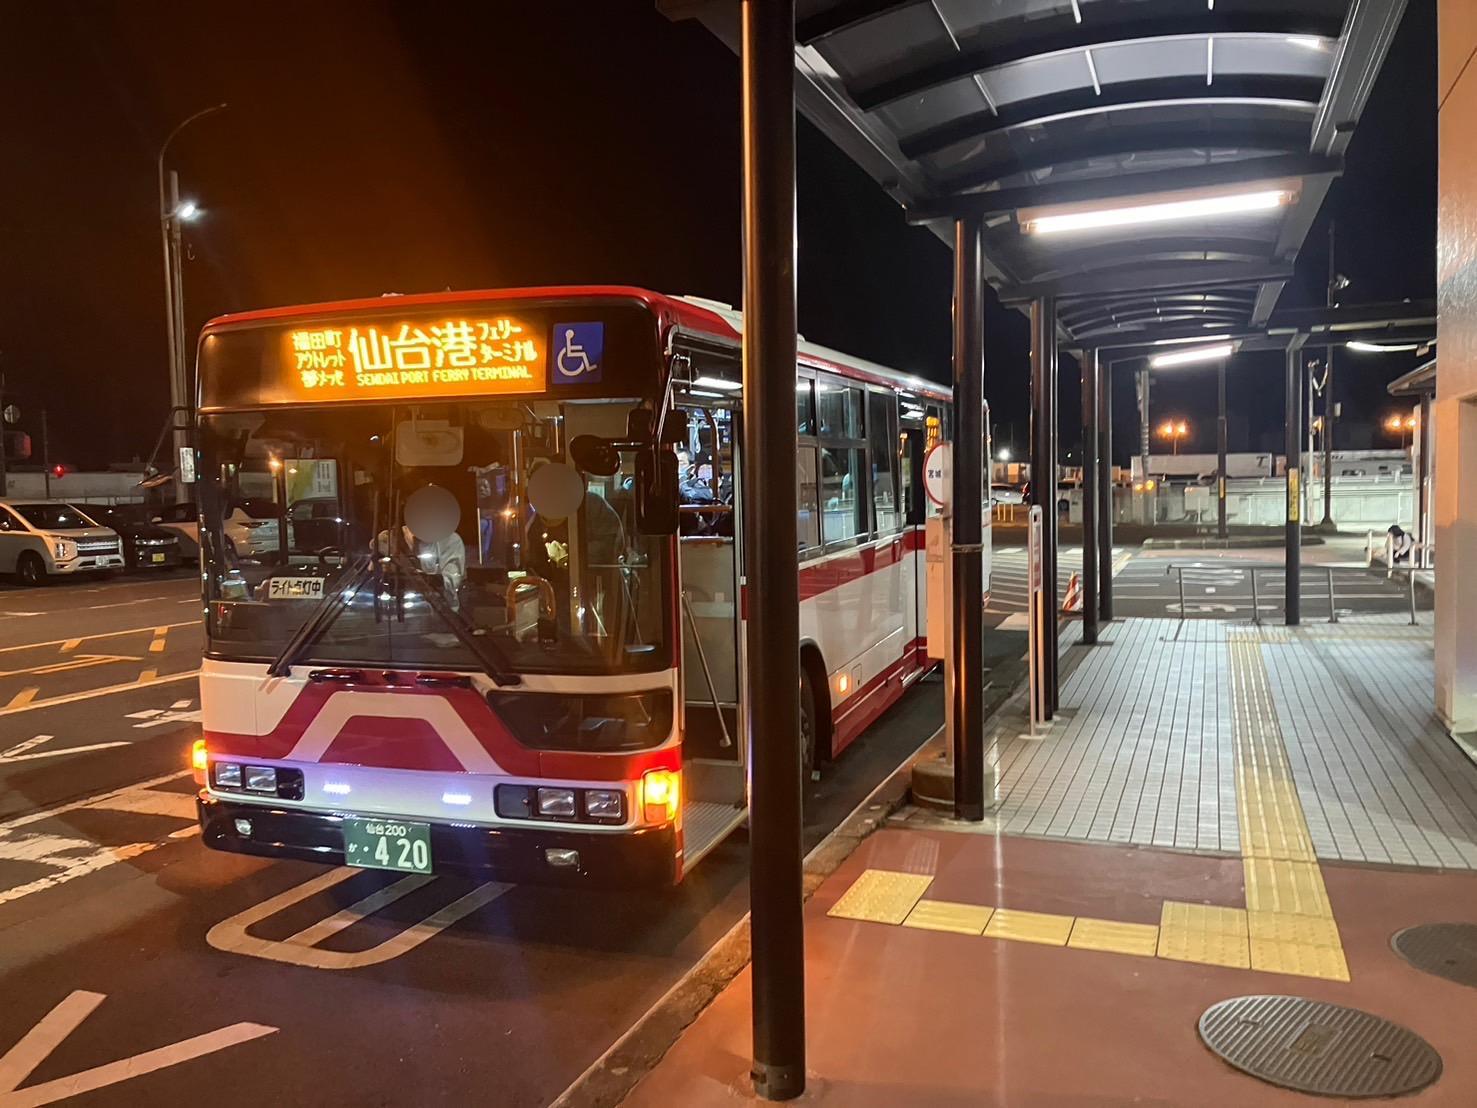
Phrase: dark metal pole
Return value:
(970, 481)
(1292, 568)
(1329, 415)
(1151, 495)
(1044, 479)
(1053, 518)
(1105, 489)
(775, 893)
(1423, 487)
(1220, 437)
(1090, 479)
(45, 454)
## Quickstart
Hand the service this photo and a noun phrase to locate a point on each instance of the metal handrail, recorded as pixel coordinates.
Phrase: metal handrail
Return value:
(1252, 569)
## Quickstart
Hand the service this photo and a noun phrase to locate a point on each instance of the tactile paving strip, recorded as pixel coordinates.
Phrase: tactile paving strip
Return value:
(1316, 1047)
(1448, 950)
(948, 915)
(882, 896)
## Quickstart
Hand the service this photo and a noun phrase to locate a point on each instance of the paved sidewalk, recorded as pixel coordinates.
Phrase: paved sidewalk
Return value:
(1221, 811)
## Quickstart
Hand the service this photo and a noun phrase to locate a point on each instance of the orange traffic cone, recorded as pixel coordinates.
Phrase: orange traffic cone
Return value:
(1072, 602)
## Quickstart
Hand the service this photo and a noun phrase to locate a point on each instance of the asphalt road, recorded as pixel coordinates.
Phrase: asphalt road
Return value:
(138, 967)
(137, 964)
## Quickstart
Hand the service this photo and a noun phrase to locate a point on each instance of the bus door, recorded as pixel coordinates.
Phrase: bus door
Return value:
(711, 602)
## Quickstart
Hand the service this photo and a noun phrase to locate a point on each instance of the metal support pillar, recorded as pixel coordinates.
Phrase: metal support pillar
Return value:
(970, 482)
(1330, 414)
(1292, 569)
(1105, 489)
(1090, 478)
(1423, 528)
(1150, 495)
(775, 893)
(1044, 480)
(1220, 447)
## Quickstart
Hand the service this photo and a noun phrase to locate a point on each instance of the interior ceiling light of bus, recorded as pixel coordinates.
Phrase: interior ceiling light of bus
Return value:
(722, 383)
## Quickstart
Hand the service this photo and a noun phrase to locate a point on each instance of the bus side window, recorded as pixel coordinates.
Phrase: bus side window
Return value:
(807, 523)
(882, 447)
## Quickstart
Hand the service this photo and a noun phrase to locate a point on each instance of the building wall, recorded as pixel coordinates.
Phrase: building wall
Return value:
(1454, 415)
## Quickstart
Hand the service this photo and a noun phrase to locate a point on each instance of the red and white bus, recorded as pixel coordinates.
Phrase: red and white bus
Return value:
(501, 631)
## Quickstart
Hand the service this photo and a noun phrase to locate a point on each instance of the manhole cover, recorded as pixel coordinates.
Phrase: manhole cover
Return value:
(1316, 1047)
(1448, 950)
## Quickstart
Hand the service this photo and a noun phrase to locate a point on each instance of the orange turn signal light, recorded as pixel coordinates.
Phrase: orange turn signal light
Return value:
(660, 793)
(198, 760)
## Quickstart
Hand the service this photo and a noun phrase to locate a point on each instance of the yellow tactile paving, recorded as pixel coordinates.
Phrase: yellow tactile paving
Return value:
(1284, 927)
(1274, 885)
(881, 896)
(947, 915)
(1300, 959)
(1114, 937)
(1210, 934)
(1029, 927)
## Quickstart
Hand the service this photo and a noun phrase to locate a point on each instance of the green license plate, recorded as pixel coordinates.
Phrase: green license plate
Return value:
(158, 557)
(388, 844)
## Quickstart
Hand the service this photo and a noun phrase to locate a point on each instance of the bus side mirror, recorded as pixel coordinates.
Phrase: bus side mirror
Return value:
(656, 491)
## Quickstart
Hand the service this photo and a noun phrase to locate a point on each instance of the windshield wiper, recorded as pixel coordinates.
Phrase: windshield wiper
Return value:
(326, 611)
(493, 661)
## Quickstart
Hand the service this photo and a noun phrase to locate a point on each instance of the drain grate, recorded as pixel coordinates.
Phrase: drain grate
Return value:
(1448, 950)
(1316, 1047)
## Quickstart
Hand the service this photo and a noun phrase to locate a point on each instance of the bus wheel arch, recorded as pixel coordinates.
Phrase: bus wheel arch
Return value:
(813, 678)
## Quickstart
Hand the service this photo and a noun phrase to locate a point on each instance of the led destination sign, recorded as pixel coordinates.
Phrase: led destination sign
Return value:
(460, 356)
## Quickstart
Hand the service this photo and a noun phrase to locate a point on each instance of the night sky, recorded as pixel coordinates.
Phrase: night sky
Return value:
(407, 147)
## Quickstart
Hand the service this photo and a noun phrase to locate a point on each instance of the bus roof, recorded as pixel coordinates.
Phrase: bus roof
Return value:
(694, 315)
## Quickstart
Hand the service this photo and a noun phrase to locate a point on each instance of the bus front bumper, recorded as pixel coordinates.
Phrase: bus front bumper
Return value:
(642, 858)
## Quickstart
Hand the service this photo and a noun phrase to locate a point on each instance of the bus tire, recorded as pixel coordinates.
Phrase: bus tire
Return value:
(807, 730)
(30, 568)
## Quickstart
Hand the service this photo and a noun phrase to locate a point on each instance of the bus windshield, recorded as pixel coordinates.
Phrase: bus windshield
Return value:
(429, 536)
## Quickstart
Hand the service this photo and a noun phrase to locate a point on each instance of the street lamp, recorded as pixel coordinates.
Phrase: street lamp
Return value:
(1402, 426)
(1174, 430)
(172, 213)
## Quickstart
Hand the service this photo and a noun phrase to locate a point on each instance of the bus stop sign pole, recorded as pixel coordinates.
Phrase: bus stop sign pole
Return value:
(773, 718)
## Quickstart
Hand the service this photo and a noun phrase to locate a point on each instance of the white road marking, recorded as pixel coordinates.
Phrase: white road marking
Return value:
(230, 934)
(21, 748)
(69, 698)
(159, 717)
(150, 802)
(71, 644)
(7, 757)
(74, 858)
(79, 661)
(37, 1044)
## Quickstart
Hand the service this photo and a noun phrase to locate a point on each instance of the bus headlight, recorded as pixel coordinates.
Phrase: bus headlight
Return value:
(603, 804)
(660, 789)
(556, 802)
(227, 775)
(261, 779)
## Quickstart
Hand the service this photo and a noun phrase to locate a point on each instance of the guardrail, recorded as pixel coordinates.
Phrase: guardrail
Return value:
(1251, 572)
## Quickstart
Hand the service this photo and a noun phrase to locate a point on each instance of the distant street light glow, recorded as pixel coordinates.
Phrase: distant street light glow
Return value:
(1002, 455)
(187, 210)
(1190, 357)
(1166, 212)
(1382, 347)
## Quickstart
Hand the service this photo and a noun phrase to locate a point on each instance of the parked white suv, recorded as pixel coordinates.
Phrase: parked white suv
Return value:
(41, 538)
(251, 528)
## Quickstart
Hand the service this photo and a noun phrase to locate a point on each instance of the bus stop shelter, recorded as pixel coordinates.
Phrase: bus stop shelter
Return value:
(1129, 172)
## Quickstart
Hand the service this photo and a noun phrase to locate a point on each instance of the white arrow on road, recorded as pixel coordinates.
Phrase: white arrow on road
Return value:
(18, 1062)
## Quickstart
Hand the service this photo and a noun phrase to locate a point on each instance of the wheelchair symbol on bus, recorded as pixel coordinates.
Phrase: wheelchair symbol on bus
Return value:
(579, 348)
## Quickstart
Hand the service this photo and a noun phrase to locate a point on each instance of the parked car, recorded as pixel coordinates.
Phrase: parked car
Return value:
(1002, 493)
(45, 538)
(316, 524)
(146, 545)
(251, 528)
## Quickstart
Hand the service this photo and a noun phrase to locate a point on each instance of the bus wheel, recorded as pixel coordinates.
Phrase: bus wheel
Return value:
(807, 730)
(30, 568)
